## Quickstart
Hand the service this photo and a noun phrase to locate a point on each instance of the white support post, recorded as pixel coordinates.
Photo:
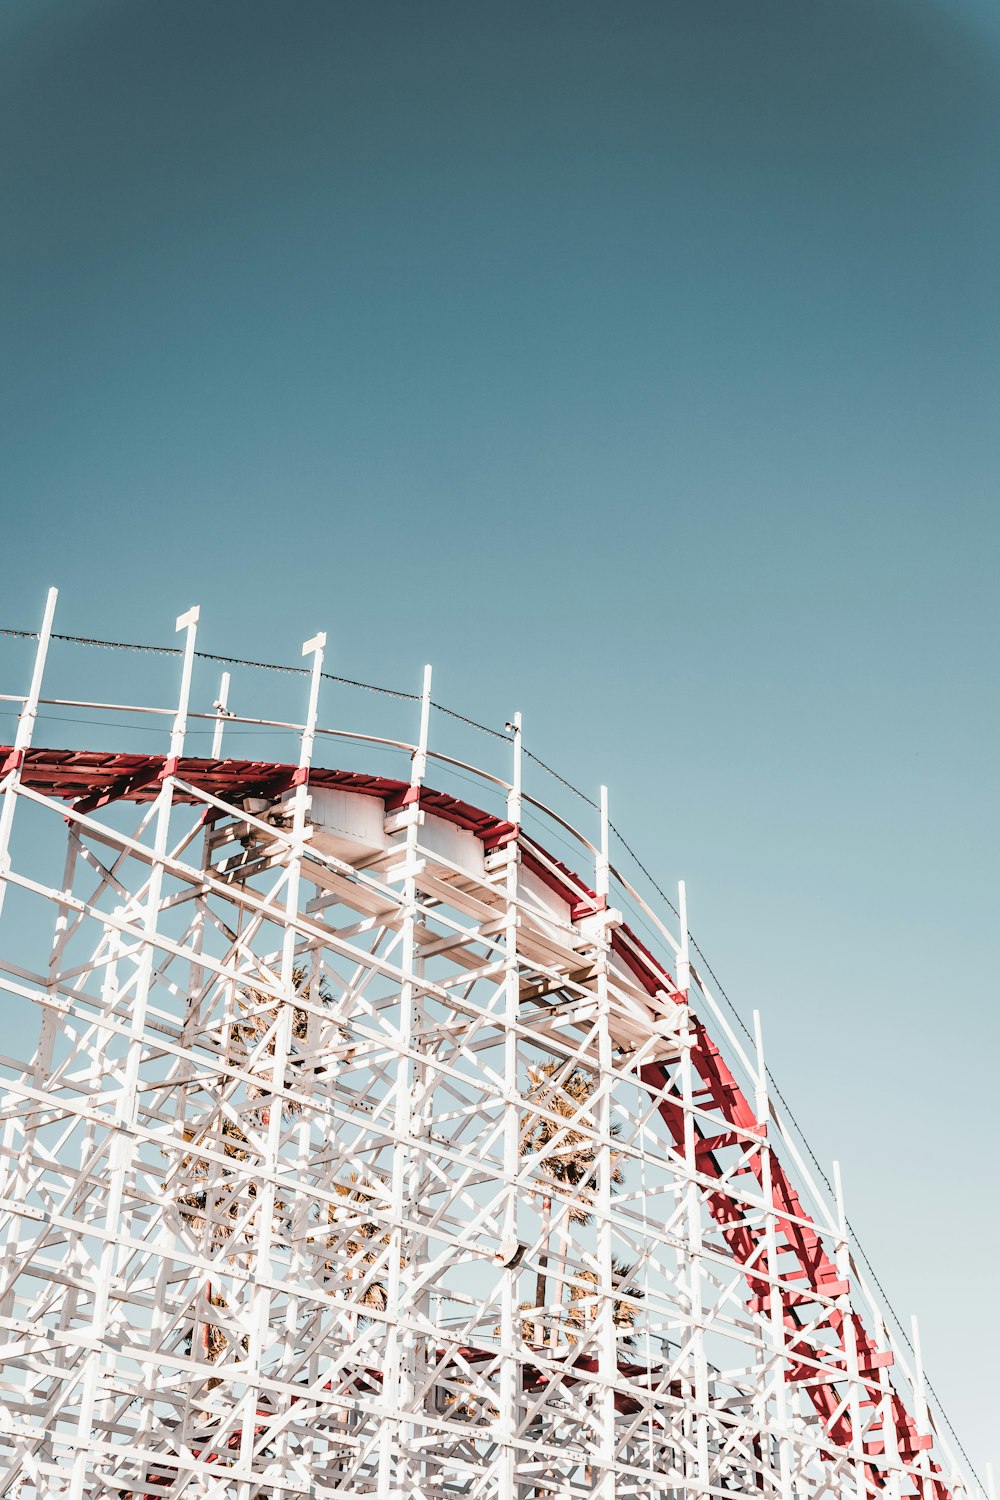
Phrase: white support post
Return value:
(506, 1466)
(893, 1467)
(855, 1392)
(684, 955)
(922, 1462)
(123, 1143)
(419, 766)
(602, 879)
(607, 1342)
(189, 624)
(514, 795)
(221, 705)
(776, 1389)
(397, 1460)
(261, 1331)
(693, 1249)
(22, 740)
(20, 1127)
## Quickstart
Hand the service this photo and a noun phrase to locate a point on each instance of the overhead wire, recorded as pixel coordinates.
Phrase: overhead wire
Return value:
(218, 658)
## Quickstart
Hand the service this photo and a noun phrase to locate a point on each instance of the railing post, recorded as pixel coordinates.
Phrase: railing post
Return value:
(261, 1308)
(776, 1318)
(10, 774)
(509, 1243)
(123, 1143)
(399, 1378)
(221, 705)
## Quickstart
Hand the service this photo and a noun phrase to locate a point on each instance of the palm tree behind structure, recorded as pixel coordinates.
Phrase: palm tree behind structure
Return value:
(571, 1162)
(225, 1209)
(361, 1241)
(260, 1015)
(583, 1304)
(212, 1209)
(216, 1200)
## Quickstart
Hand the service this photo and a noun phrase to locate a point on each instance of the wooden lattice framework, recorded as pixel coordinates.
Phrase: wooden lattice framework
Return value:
(366, 1151)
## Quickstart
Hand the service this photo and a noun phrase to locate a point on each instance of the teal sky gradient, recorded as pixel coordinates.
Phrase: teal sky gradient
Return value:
(637, 366)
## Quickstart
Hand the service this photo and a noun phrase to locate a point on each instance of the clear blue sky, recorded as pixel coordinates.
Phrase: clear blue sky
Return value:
(636, 365)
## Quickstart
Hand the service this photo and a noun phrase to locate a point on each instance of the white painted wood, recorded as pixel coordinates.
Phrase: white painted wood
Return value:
(272, 1180)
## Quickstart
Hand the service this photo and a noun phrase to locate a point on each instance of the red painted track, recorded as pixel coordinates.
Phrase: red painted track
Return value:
(815, 1329)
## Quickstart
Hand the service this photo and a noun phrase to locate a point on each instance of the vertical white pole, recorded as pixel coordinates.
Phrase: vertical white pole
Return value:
(507, 1453)
(698, 1365)
(419, 766)
(514, 795)
(26, 720)
(20, 1129)
(990, 1486)
(124, 1143)
(395, 1456)
(22, 739)
(603, 867)
(776, 1321)
(607, 1343)
(221, 705)
(188, 623)
(261, 1311)
(762, 1104)
(850, 1336)
(887, 1418)
(922, 1460)
(413, 1346)
(684, 956)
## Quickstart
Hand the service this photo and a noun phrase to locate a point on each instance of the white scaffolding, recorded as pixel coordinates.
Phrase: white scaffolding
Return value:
(365, 1150)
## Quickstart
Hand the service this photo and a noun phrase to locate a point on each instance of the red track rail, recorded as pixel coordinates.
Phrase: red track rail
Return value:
(814, 1274)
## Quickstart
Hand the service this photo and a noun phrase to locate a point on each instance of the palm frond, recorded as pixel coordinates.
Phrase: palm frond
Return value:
(260, 1013)
(572, 1160)
(361, 1243)
(583, 1304)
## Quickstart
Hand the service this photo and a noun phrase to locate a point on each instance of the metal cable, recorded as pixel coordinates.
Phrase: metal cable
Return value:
(228, 661)
(265, 666)
(561, 779)
(497, 734)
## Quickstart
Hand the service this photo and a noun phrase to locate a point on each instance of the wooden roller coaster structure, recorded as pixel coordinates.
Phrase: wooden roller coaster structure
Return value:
(363, 1148)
